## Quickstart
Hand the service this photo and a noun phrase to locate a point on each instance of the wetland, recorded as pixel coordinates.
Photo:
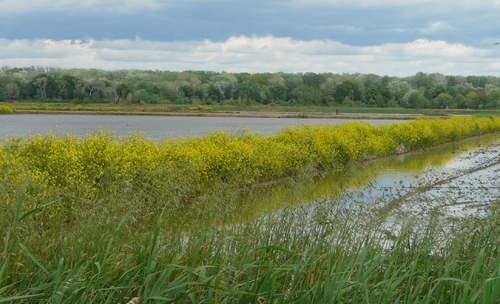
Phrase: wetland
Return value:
(311, 214)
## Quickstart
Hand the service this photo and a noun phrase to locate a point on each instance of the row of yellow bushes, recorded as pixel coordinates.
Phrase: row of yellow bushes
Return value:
(78, 171)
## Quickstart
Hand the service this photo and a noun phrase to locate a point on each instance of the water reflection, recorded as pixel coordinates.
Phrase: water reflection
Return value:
(433, 177)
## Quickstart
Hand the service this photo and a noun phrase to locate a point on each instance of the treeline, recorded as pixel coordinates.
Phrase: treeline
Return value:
(206, 87)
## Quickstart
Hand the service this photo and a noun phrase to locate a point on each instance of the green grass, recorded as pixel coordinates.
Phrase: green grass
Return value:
(318, 253)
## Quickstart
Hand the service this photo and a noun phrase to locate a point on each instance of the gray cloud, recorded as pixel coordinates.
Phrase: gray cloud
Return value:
(256, 54)
(272, 35)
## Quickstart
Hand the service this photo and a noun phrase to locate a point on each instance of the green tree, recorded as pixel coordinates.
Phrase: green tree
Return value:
(249, 90)
(11, 90)
(307, 95)
(421, 80)
(312, 80)
(347, 89)
(414, 99)
(494, 98)
(472, 100)
(377, 95)
(122, 91)
(41, 84)
(398, 88)
(213, 94)
(444, 101)
(280, 93)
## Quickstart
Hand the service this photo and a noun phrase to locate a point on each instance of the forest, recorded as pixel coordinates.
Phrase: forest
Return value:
(419, 91)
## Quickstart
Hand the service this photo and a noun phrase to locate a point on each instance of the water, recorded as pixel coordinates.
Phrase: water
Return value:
(457, 179)
(155, 127)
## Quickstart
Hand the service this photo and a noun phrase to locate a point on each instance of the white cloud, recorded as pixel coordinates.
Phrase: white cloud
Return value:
(254, 54)
(436, 27)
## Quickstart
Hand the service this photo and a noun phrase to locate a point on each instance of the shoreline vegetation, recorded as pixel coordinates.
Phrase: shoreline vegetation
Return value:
(339, 112)
(98, 219)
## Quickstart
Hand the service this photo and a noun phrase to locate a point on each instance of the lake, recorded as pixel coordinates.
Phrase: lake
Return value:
(155, 127)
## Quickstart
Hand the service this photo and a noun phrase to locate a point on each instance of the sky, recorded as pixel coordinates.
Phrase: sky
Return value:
(384, 37)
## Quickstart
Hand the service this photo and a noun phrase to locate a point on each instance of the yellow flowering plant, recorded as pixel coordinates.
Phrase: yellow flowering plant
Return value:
(80, 171)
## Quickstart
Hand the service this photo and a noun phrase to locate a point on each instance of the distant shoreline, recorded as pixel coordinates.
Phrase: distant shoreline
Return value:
(241, 114)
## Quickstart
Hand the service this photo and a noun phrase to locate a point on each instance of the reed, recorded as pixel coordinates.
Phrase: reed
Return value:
(312, 254)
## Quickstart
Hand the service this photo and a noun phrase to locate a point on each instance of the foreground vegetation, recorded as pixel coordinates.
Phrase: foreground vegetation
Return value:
(104, 219)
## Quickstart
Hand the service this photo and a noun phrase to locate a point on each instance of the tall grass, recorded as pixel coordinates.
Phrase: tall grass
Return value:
(314, 254)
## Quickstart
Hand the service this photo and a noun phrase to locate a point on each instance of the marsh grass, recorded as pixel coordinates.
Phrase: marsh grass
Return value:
(317, 253)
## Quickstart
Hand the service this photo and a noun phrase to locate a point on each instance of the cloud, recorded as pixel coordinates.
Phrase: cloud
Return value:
(254, 54)
(435, 27)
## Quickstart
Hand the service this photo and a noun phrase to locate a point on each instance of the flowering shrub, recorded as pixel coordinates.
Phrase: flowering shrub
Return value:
(80, 171)
(6, 110)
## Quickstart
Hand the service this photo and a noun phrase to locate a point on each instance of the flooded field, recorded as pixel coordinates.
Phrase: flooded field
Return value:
(453, 181)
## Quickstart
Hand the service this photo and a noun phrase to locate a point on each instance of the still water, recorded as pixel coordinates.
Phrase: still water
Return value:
(458, 179)
(155, 127)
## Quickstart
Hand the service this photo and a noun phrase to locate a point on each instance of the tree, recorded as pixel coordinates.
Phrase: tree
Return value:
(414, 99)
(67, 85)
(460, 101)
(347, 89)
(122, 91)
(249, 90)
(280, 93)
(493, 98)
(276, 80)
(307, 95)
(141, 96)
(226, 84)
(213, 94)
(472, 100)
(421, 80)
(398, 88)
(109, 94)
(377, 95)
(312, 80)
(293, 82)
(443, 101)
(11, 90)
(477, 81)
(93, 86)
(41, 84)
